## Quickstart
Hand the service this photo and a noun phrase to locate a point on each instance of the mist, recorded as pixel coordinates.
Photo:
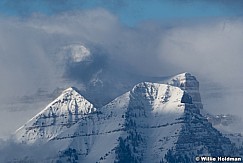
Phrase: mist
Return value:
(12, 151)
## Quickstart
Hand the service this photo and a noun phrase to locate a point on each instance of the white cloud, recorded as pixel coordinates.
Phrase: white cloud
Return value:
(212, 51)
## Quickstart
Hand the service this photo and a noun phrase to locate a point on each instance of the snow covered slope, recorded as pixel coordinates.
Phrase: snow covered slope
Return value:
(59, 115)
(153, 122)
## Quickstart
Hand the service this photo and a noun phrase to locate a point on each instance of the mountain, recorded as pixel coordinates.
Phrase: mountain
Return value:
(58, 116)
(153, 122)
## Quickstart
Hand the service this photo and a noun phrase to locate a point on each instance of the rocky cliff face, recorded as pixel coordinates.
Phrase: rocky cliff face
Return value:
(188, 83)
(198, 138)
(153, 122)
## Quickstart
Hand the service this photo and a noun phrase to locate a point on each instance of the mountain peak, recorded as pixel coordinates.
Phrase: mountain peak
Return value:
(70, 89)
(182, 78)
(158, 98)
(187, 82)
(184, 74)
(77, 53)
(64, 112)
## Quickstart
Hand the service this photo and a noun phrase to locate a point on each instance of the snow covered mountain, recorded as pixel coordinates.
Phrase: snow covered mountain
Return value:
(153, 122)
(58, 116)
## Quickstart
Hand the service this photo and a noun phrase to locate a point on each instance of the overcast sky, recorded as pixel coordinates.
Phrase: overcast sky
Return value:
(153, 38)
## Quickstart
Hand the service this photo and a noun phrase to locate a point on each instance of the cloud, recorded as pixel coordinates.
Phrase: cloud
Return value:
(213, 51)
(31, 49)
(101, 29)
(25, 63)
